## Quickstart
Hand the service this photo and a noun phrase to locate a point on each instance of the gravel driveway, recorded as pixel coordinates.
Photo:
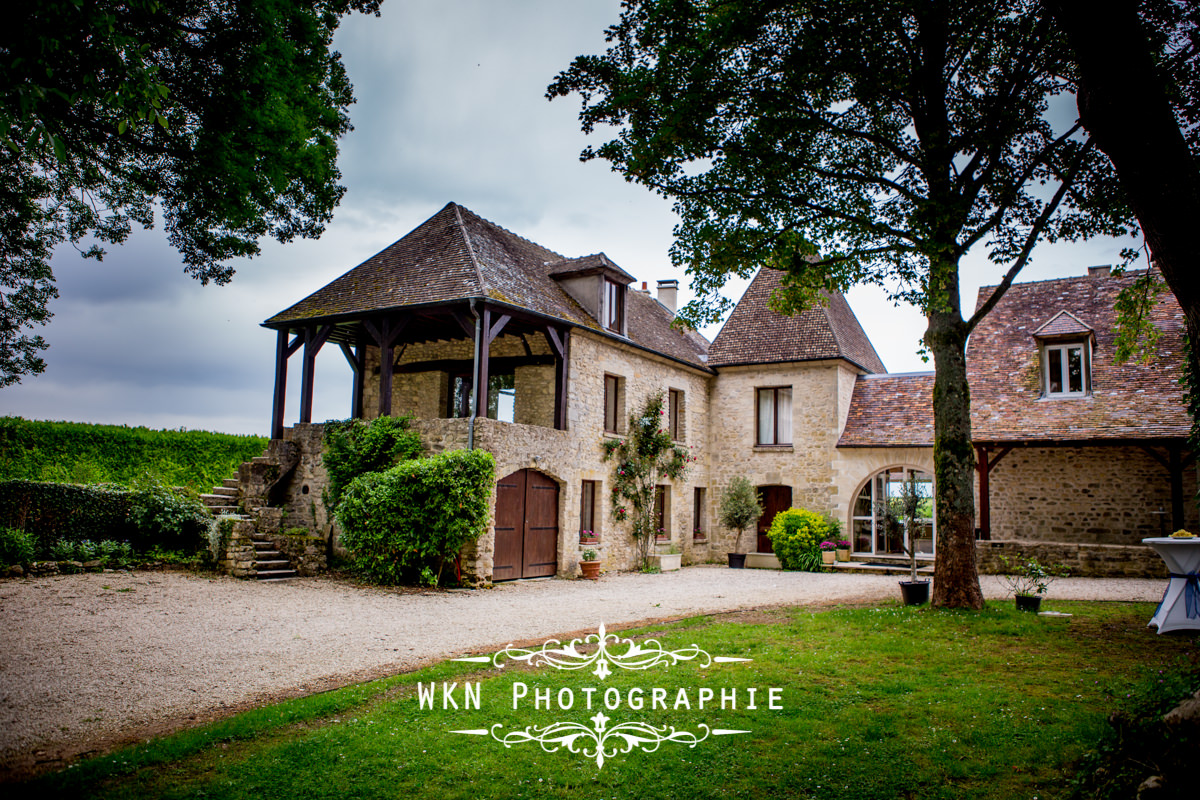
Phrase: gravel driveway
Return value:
(91, 660)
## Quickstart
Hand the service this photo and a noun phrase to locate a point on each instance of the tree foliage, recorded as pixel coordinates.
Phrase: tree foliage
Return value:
(354, 447)
(224, 115)
(850, 141)
(740, 507)
(642, 459)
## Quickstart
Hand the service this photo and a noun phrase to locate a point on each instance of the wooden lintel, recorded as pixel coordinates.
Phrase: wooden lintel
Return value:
(500, 365)
(351, 356)
(495, 329)
(556, 340)
(1150, 451)
(1003, 452)
(465, 322)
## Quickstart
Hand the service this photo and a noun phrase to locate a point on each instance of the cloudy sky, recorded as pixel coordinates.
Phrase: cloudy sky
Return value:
(450, 107)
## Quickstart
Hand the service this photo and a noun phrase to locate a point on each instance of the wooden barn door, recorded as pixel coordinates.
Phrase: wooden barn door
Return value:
(774, 500)
(526, 526)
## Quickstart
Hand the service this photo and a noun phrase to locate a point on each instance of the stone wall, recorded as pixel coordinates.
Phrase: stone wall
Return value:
(1098, 495)
(1083, 560)
(819, 402)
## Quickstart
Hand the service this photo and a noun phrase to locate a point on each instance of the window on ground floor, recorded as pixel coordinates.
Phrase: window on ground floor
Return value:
(662, 511)
(699, 512)
(587, 511)
(878, 521)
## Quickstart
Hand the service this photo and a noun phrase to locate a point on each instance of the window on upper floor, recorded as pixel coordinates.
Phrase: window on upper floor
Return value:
(614, 306)
(774, 424)
(675, 414)
(1066, 369)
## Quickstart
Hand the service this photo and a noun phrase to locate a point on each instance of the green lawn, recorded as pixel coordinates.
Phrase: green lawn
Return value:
(876, 703)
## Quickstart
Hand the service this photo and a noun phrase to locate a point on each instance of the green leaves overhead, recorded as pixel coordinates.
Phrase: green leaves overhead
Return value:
(840, 140)
(225, 115)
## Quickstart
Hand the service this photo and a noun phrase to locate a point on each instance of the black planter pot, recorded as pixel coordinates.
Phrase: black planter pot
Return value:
(915, 593)
(1029, 602)
(737, 560)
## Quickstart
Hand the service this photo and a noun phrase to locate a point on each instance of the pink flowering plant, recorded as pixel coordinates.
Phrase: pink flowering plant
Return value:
(642, 460)
(827, 546)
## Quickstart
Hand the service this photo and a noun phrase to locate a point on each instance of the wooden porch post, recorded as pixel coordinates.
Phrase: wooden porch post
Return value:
(283, 351)
(985, 508)
(1176, 468)
(314, 340)
(356, 357)
(385, 336)
(490, 330)
(560, 343)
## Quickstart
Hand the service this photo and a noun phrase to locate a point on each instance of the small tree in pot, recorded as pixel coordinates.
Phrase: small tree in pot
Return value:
(906, 507)
(740, 507)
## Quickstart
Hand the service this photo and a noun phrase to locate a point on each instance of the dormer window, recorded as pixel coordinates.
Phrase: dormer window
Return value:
(614, 306)
(1066, 355)
(1067, 367)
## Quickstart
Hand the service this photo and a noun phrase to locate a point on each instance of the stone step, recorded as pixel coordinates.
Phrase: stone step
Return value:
(225, 511)
(276, 574)
(264, 547)
(231, 483)
(260, 460)
(224, 491)
(881, 567)
(272, 565)
(278, 580)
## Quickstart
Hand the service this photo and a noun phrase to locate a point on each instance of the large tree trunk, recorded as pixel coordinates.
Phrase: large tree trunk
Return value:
(955, 578)
(1123, 104)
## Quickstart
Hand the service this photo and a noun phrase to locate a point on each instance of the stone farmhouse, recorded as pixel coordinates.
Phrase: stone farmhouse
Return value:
(1078, 457)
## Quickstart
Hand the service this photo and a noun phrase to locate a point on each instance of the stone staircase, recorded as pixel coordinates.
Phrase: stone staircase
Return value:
(269, 564)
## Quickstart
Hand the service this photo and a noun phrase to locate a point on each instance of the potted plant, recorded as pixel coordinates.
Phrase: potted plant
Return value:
(740, 507)
(588, 537)
(668, 558)
(1028, 580)
(589, 563)
(843, 550)
(827, 552)
(905, 507)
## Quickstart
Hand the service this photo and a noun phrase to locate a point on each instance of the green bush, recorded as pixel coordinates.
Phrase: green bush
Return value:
(407, 523)
(75, 452)
(151, 516)
(168, 519)
(795, 537)
(16, 547)
(355, 447)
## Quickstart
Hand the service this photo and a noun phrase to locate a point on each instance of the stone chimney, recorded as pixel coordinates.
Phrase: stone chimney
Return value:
(668, 294)
(1102, 271)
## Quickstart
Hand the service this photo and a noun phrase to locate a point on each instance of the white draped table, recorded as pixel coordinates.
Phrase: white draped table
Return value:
(1180, 606)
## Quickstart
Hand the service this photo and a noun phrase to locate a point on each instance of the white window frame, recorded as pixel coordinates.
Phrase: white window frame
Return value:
(1085, 372)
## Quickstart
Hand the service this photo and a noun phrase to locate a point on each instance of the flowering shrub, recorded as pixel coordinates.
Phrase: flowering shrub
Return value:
(797, 536)
(642, 460)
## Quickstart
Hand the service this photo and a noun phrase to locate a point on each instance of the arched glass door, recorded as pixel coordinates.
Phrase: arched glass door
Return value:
(878, 521)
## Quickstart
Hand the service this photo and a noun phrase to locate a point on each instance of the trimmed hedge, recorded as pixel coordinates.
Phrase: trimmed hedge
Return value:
(76, 452)
(146, 517)
(407, 523)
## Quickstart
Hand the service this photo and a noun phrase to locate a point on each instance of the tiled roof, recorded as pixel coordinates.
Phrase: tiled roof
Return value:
(1128, 401)
(597, 262)
(455, 255)
(890, 411)
(1064, 323)
(754, 334)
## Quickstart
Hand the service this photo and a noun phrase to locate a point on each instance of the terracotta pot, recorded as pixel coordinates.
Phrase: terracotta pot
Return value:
(591, 569)
(827, 557)
(843, 554)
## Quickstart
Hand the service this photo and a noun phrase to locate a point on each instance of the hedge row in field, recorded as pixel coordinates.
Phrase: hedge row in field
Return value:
(76, 452)
(151, 516)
